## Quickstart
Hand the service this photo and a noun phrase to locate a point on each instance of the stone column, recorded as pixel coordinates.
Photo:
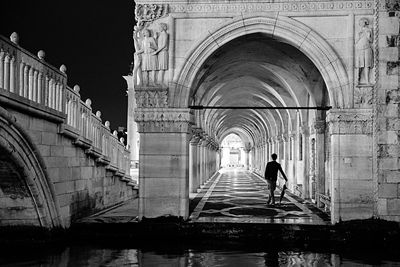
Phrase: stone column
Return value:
(319, 126)
(246, 158)
(306, 161)
(164, 161)
(352, 195)
(194, 182)
(132, 128)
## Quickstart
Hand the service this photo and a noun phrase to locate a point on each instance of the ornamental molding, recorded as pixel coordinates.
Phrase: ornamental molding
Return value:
(265, 6)
(354, 121)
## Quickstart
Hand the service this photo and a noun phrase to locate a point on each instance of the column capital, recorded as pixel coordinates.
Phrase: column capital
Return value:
(172, 120)
(350, 121)
(305, 130)
(285, 137)
(319, 126)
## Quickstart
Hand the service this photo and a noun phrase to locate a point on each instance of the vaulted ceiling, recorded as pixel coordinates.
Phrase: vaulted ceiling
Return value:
(256, 71)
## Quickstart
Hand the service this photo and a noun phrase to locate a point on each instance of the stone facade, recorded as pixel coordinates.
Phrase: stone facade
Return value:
(342, 54)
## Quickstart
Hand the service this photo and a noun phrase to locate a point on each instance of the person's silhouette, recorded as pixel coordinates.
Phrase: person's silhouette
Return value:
(271, 175)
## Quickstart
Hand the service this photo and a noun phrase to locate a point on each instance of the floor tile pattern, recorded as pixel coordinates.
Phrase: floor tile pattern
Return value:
(236, 195)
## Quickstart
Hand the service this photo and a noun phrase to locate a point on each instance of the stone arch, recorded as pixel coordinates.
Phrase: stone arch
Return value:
(22, 158)
(282, 28)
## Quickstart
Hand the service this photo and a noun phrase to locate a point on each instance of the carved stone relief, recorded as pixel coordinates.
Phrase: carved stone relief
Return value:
(151, 98)
(164, 120)
(363, 96)
(350, 122)
(364, 53)
(145, 13)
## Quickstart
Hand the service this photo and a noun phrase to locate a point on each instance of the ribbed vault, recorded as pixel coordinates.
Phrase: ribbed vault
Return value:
(256, 71)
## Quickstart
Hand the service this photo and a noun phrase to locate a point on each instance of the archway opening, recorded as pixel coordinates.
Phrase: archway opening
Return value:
(17, 205)
(232, 152)
(256, 71)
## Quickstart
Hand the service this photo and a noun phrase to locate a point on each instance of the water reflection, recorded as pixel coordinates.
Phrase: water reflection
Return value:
(90, 256)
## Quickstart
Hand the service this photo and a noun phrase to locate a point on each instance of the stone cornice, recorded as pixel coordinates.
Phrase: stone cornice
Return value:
(240, 6)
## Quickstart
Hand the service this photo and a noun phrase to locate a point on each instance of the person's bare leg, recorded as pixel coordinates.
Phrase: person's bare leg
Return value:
(366, 70)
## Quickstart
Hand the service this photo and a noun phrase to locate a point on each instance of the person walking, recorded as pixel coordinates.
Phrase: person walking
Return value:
(271, 175)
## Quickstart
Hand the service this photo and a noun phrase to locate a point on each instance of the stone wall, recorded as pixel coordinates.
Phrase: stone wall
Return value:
(82, 185)
(387, 149)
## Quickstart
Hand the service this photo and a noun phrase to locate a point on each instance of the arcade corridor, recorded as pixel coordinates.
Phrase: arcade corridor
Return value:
(236, 195)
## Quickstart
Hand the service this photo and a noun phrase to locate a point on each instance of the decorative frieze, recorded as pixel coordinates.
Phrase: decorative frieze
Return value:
(152, 98)
(164, 120)
(289, 6)
(354, 121)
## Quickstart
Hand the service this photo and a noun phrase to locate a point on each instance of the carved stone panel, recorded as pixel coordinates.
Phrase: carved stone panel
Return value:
(354, 121)
(149, 12)
(152, 98)
(363, 96)
(164, 120)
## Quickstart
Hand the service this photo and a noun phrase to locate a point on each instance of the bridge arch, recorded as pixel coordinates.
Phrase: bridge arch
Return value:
(24, 182)
(282, 28)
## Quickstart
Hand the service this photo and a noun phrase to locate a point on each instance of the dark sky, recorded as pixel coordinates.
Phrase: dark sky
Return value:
(92, 38)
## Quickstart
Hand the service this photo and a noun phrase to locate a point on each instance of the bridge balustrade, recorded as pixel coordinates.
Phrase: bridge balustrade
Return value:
(29, 81)
(23, 74)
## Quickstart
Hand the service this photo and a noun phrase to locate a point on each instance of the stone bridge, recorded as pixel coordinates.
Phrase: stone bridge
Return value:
(58, 160)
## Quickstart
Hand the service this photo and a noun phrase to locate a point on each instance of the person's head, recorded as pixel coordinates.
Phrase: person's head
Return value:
(274, 156)
(363, 22)
(146, 33)
(163, 27)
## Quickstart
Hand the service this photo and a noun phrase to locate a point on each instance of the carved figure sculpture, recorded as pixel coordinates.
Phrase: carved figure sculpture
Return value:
(137, 71)
(162, 52)
(364, 52)
(149, 60)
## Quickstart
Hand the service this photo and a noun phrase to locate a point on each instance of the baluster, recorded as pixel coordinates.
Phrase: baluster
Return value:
(35, 86)
(60, 104)
(46, 91)
(2, 54)
(12, 74)
(52, 94)
(7, 72)
(40, 89)
(21, 78)
(56, 95)
(30, 92)
(26, 81)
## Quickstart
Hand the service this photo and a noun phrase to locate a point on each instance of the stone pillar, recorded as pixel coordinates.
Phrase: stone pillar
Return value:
(194, 182)
(306, 161)
(352, 172)
(132, 128)
(319, 126)
(246, 159)
(164, 161)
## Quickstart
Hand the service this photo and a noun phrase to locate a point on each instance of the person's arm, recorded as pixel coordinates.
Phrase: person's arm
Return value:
(283, 174)
(161, 46)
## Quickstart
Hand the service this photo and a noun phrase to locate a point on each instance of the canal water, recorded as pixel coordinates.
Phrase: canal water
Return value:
(75, 256)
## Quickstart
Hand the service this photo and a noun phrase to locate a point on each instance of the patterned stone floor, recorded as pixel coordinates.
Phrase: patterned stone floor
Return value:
(236, 195)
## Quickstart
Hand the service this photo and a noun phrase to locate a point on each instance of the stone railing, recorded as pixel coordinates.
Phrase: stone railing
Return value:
(27, 81)
(88, 131)
(30, 77)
